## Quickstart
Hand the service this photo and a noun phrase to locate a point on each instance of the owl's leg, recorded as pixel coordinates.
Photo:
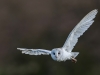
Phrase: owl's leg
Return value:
(73, 60)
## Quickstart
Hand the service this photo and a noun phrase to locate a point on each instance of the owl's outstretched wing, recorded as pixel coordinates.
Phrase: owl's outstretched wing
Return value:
(79, 29)
(35, 51)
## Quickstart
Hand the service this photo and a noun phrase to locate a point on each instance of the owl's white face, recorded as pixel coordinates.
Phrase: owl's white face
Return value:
(56, 54)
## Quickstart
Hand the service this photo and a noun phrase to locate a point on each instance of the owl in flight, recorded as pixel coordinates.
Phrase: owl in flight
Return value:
(65, 53)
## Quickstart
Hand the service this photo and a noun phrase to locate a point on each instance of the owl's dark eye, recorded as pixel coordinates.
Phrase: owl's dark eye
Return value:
(58, 52)
(53, 53)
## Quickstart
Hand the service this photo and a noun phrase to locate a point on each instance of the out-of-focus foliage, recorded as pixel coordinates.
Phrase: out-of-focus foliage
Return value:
(46, 24)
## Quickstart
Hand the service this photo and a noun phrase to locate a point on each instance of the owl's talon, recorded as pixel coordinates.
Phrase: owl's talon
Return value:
(74, 60)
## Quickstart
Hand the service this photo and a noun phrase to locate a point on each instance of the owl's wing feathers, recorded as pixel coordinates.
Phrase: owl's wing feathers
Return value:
(79, 29)
(35, 51)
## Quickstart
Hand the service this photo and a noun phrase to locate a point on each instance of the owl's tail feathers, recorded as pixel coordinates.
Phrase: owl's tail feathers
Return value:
(74, 54)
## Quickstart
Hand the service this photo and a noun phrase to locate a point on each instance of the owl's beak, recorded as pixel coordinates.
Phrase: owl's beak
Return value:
(56, 56)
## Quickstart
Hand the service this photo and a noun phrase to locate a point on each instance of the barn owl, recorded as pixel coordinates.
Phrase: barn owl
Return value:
(65, 53)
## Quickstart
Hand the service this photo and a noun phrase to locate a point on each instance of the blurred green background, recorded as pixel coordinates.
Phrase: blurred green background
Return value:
(45, 24)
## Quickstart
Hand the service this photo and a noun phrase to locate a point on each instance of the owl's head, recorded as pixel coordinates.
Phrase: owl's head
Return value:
(56, 53)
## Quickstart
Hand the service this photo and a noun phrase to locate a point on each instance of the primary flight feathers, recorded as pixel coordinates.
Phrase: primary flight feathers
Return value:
(79, 29)
(34, 51)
